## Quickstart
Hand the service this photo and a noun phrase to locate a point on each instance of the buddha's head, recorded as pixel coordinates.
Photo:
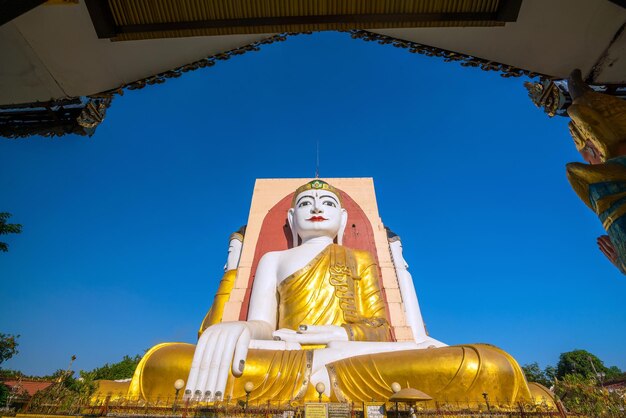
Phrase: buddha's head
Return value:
(395, 245)
(235, 242)
(316, 212)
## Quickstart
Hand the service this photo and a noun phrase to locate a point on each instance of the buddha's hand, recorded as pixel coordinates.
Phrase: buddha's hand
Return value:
(312, 334)
(218, 347)
(607, 248)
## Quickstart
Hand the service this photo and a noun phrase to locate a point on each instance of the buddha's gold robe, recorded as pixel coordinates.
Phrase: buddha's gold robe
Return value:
(340, 287)
(214, 316)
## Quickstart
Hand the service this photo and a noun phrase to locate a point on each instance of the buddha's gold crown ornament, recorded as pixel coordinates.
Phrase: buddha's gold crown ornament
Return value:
(316, 184)
(239, 234)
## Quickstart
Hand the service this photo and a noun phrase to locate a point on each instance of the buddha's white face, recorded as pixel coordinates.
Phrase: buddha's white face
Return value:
(397, 255)
(317, 213)
(234, 252)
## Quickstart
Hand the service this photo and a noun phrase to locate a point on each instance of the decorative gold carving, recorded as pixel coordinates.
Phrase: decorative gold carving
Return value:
(341, 278)
(546, 95)
(94, 112)
(202, 63)
(74, 115)
(315, 185)
(448, 56)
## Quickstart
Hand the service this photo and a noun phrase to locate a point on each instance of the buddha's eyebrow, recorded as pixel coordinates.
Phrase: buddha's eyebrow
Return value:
(303, 197)
(327, 195)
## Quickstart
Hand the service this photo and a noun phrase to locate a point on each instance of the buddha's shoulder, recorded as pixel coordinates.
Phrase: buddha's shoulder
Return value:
(270, 258)
(276, 256)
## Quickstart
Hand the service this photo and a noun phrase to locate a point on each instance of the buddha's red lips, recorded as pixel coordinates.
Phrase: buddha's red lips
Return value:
(317, 219)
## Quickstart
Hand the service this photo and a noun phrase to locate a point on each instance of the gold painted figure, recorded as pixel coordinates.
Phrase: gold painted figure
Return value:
(317, 315)
(598, 127)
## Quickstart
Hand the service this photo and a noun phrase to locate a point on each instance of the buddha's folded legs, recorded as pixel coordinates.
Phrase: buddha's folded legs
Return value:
(447, 374)
(457, 373)
(276, 375)
(159, 368)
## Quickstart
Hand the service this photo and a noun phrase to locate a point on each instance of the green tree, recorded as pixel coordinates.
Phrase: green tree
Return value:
(583, 363)
(613, 372)
(534, 374)
(4, 394)
(8, 346)
(7, 228)
(123, 369)
(550, 372)
(11, 374)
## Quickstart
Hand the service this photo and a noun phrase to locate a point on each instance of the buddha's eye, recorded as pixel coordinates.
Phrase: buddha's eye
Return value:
(305, 203)
(329, 203)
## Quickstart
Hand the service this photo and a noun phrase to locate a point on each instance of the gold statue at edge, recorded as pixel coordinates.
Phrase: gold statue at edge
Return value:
(598, 127)
(337, 290)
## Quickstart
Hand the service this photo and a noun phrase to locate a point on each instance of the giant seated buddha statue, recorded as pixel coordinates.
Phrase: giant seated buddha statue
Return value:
(317, 312)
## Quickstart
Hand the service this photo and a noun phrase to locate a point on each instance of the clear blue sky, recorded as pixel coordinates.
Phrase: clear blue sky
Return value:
(125, 233)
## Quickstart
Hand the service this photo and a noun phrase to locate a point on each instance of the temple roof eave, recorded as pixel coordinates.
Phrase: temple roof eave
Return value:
(579, 34)
(55, 57)
(43, 63)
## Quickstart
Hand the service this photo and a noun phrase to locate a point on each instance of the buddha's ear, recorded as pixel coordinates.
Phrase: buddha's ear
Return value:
(294, 234)
(342, 228)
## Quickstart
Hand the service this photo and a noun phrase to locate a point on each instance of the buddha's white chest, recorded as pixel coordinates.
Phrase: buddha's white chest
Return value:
(294, 259)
